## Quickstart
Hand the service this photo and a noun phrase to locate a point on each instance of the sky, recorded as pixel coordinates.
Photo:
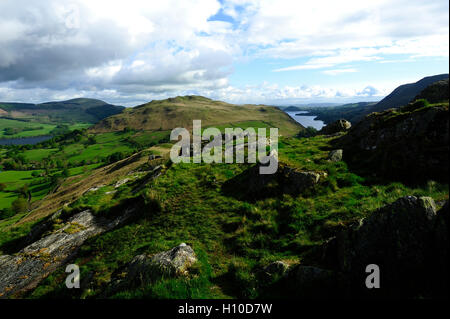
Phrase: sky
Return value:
(279, 52)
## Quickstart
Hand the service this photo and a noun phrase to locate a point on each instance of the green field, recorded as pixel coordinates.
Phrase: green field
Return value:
(28, 129)
(80, 157)
(14, 180)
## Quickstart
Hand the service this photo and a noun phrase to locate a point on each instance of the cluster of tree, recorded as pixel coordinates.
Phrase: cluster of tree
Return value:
(16, 130)
(19, 205)
(115, 157)
(14, 161)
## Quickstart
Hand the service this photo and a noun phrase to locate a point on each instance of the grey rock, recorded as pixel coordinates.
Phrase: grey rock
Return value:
(145, 269)
(296, 181)
(287, 179)
(26, 268)
(336, 155)
(277, 269)
(398, 238)
(410, 146)
(395, 236)
(336, 127)
(409, 242)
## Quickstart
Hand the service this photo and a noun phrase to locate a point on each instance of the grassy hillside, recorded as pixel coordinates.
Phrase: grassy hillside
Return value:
(234, 237)
(180, 111)
(234, 229)
(24, 119)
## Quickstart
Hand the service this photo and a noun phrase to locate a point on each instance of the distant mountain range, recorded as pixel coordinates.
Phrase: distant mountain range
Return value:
(71, 111)
(354, 112)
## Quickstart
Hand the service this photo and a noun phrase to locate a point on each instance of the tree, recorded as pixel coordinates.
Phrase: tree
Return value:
(65, 172)
(20, 205)
(6, 213)
(91, 140)
(23, 191)
(114, 157)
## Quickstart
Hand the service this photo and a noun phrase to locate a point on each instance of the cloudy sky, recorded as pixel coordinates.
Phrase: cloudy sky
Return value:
(257, 51)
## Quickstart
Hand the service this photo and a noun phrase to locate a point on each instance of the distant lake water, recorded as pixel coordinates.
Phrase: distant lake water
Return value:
(25, 140)
(306, 120)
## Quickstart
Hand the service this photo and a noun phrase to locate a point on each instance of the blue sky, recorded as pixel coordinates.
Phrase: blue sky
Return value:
(240, 51)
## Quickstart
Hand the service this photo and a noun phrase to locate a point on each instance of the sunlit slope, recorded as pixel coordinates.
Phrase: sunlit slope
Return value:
(180, 111)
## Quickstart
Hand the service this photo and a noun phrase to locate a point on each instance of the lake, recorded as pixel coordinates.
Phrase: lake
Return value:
(306, 120)
(25, 140)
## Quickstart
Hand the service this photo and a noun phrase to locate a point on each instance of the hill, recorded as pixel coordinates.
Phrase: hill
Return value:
(162, 115)
(405, 93)
(80, 110)
(355, 112)
(350, 112)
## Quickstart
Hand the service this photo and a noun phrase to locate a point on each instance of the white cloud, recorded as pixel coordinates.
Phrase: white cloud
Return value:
(135, 49)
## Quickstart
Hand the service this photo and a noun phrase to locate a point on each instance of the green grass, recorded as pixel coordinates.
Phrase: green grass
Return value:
(233, 238)
(14, 180)
(29, 129)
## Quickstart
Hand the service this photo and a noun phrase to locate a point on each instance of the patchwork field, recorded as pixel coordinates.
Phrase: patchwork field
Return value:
(10, 128)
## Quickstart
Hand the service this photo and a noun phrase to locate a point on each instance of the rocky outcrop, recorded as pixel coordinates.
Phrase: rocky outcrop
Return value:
(436, 92)
(409, 146)
(336, 155)
(407, 239)
(287, 180)
(276, 269)
(296, 182)
(24, 270)
(336, 127)
(145, 269)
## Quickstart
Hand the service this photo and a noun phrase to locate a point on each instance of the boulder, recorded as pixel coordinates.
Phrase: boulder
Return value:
(296, 181)
(398, 238)
(144, 269)
(409, 242)
(289, 180)
(336, 127)
(276, 269)
(153, 157)
(336, 155)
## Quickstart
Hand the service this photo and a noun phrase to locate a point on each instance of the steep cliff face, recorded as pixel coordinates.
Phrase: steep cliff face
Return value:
(408, 144)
